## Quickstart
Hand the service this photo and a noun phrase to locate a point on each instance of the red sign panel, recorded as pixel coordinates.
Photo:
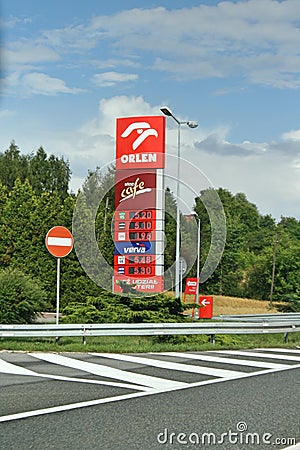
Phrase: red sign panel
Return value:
(206, 312)
(59, 241)
(143, 284)
(144, 214)
(191, 286)
(133, 236)
(140, 142)
(135, 189)
(122, 260)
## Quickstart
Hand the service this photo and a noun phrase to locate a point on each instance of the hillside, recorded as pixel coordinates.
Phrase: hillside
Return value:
(234, 305)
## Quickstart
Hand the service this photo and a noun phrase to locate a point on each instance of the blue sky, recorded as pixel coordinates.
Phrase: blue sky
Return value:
(69, 68)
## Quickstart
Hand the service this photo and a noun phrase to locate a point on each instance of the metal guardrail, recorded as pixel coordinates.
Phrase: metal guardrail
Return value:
(148, 329)
(271, 317)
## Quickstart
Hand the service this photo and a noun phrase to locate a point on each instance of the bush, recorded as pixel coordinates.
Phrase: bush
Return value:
(110, 308)
(290, 303)
(21, 297)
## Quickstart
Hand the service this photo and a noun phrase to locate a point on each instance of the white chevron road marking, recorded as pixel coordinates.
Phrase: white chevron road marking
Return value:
(261, 355)
(110, 372)
(172, 366)
(218, 359)
(14, 369)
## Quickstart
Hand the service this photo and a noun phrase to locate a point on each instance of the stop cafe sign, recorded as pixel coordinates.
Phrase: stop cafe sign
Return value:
(59, 241)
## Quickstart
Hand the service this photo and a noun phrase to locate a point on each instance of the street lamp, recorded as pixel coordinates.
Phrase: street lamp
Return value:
(192, 124)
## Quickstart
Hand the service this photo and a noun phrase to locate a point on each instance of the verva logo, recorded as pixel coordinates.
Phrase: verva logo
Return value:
(126, 248)
(140, 142)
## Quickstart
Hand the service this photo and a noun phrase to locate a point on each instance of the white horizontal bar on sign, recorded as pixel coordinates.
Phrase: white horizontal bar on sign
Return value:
(159, 270)
(159, 235)
(160, 215)
(159, 260)
(159, 225)
(159, 247)
(60, 242)
(159, 200)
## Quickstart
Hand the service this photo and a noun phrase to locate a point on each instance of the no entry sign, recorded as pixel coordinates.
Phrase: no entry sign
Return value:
(59, 241)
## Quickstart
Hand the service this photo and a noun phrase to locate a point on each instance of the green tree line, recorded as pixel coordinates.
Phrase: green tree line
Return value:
(34, 197)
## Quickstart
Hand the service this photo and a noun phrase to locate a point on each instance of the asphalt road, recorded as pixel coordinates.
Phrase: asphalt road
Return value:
(147, 402)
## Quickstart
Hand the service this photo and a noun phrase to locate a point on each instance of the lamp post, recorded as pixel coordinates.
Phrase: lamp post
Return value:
(198, 266)
(192, 124)
(273, 268)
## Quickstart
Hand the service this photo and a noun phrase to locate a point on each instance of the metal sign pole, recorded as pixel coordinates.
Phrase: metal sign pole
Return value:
(57, 290)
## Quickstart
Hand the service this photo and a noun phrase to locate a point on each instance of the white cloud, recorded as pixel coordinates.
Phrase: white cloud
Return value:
(256, 38)
(37, 83)
(112, 78)
(13, 21)
(293, 135)
(25, 52)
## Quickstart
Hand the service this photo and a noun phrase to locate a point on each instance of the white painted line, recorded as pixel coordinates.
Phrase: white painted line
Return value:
(261, 355)
(218, 359)
(293, 447)
(109, 372)
(60, 242)
(55, 409)
(280, 350)
(171, 366)
(14, 369)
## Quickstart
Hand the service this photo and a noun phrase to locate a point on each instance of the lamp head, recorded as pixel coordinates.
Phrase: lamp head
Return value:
(192, 124)
(166, 111)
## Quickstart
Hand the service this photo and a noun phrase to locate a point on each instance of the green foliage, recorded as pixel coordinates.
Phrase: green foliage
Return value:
(21, 297)
(250, 256)
(291, 303)
(45, 174)
(114, 308)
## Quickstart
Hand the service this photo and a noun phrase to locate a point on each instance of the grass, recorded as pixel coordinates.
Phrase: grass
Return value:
(136, 344)
(233, 305)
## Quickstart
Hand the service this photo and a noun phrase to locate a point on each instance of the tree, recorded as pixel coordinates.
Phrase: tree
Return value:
(48, 174)
(13, 165)
(45, 174)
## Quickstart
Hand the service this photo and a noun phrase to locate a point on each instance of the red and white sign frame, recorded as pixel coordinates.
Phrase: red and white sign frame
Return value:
(59, 241)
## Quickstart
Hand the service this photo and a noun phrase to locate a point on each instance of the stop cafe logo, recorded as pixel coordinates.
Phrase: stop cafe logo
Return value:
(135, 189)
(140, 142)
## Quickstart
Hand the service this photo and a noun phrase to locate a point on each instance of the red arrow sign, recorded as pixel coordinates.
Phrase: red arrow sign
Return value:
(206, 312)
(59, 241)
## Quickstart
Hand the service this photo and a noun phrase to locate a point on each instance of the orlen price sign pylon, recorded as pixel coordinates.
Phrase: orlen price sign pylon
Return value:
(139, 204)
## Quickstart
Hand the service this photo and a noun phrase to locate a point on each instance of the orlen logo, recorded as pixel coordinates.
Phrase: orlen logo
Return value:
(140, 142)
(143, 129)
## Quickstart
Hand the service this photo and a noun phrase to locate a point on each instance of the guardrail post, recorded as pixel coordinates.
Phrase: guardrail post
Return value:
(83, 337)
(212, 339)
(286, 337)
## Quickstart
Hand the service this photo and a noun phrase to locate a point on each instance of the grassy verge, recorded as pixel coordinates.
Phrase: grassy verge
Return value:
(137, 344)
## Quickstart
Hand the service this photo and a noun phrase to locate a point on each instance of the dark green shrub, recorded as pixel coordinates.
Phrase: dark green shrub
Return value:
(21, 297)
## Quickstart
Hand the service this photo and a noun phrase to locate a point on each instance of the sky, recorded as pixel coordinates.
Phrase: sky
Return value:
(70, 68)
